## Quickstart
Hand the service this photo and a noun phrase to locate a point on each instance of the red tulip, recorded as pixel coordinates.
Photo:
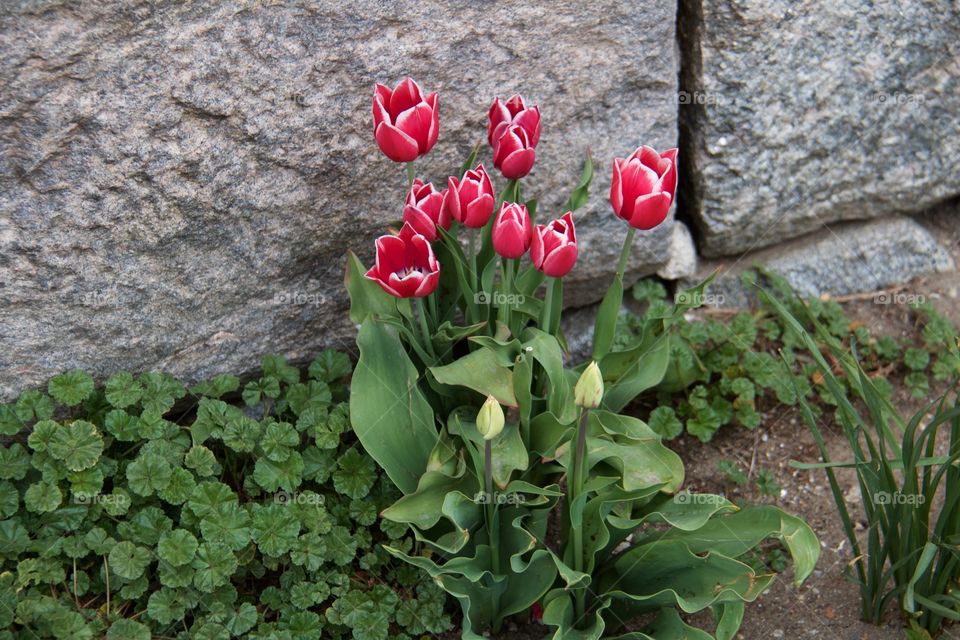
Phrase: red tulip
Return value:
(554, 248)
(470, 199)
(512, 230)
(513, 112)
(424, 210)
(405, 266)
(513, 152)
(405, 123)
(644, 186)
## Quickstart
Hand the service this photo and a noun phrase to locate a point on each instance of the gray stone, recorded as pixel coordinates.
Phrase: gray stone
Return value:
(846, 258)
(804, 113)
(683, 255)
(179, 182)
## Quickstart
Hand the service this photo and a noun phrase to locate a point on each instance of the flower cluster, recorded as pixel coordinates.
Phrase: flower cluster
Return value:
(406, 126)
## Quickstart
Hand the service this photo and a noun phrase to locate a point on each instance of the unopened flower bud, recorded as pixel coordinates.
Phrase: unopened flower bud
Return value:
(589, 390)
(490, 419)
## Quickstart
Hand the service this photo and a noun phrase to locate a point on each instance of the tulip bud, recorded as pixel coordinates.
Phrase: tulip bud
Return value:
(512, 230)
(469, 200)
(589, 390)
(514, 111)
(424, 210)
(554, 247)
(513, 153)
(405, 122)
(643, 187)
(490, 419)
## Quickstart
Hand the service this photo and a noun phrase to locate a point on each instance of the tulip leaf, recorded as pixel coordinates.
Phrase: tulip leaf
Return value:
(582, 191)
(605, 324)
(390, 415)
(648, 365)
(481, 372)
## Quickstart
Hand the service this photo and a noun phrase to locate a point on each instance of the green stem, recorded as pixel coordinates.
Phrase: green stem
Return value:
(424, 329)
(625, 252)
(547, 307)
(506, 288)
(493, 526)
(411, 174)
(575, 490)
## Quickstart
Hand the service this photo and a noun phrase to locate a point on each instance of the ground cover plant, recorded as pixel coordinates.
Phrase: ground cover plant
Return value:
(525, 483)
(145, 509)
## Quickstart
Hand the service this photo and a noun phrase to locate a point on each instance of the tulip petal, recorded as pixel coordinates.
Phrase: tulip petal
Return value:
(559, 262)
(518, 164)
(434, 131)
(406, 95)
(395, 144)
(650, 210)
(616, 187)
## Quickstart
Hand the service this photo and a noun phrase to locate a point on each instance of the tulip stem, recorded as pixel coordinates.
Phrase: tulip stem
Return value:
(625, 252)
(411, 173)
(549, 321)
(506, 274)
(574, 491)
(472, 257)
(424, 329)
(493, 526)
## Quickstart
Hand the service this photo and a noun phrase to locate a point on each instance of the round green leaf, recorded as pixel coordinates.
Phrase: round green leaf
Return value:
(9, 499)
(71, 388)
(122, 390)
(128, 561)
(79, 445)
(214, 564)
(178, 547)
(125, 629)
(148, 473)
(42, 497)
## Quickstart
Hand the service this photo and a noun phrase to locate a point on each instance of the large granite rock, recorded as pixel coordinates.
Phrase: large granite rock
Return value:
(179, 182)
(802, 113)
(848, 258)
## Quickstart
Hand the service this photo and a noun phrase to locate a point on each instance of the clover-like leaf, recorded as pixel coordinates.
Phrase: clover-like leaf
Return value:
(227, 525)
(201, 460)
(71, 388)
(148, 473)
(355, 475)
(9, 499)
(122, 390)
(180, 487)
(274, 528)
(123, 426)
(178, 547)
(128, 561)
(14, 462)
(330, 366)
(78, 445)
(278, 440)
(341, 545)
(42, 434)
(276, 475)
(214, 564)
(127, 629)
(166, 605)
(42, 497)
(209, 496)
(160, 392)
(241, 433)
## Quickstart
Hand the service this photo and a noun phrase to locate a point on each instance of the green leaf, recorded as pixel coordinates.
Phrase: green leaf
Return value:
(128, 561)
(166, 605)
(330, 366)
(482, 372)
(276, 475)
(389, 414)
(9, 499)
(664, 423)
(216, 387)
(33, 404)
(201, 460)
(341, 545)
(581, 193)
(126, 629)
(275, 366)
(42, 497)
(355, 474)
(79, 445)
(214, 564)
(227, 524)
(278, 440)
(71, 388)
(148, 473)
(122, 390)
(178, 547)
(14, 462)
(366, 297)
(274, 528)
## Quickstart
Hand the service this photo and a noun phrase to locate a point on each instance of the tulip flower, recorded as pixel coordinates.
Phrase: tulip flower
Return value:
(470, 199)
(405, 123)
(513, 153)
(406, 266)
(554, 247)
(644, 186)
(424, 210)
(513, 112)
(512, 230)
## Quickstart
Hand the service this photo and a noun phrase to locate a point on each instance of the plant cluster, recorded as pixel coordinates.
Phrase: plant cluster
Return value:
(144, 509)
(720, 369)
(906, 470)
(524, 482)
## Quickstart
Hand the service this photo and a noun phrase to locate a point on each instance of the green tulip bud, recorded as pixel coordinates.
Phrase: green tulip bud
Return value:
(589, 390)
(490, 419)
